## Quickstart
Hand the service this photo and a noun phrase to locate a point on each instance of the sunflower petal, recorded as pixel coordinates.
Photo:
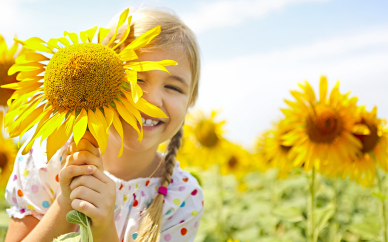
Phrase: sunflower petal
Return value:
(98, 130)
(53, 43)
(102, 33)
(27, 122)
(127, 116)
(32, 89)
(83, 37)
(13, 49)
(128, 55)
(322, 89)
(150, 65)
(119, 128)
(80, 126)
(360, 129)
(136, 90)
(25, 74)
(122, 19)
(64, 41)
(109, 117)
(18, 85)
(90, 33)
(54, 124)
(145, 107)
(59, 137)
(30, 57)
(73, 37)
(25, 67)
(35, 43)
(145, 38)
(125, 35)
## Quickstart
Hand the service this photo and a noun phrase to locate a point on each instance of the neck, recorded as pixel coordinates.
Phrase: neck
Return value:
(131, 164)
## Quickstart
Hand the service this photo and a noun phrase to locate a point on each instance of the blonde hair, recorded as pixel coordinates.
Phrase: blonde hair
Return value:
(175, 35)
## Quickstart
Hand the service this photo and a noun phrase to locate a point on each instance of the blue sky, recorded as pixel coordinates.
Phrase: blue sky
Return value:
(253, 51)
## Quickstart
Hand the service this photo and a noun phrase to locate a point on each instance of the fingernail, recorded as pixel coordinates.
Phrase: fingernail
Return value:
(91, 169)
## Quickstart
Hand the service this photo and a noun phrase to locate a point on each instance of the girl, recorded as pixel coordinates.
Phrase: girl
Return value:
(140, 196)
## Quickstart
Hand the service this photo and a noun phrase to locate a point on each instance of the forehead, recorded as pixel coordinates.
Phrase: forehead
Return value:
(182, 70)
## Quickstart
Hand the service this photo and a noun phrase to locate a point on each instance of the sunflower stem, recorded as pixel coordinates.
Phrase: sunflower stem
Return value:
(221, 202)
(382, 205)
(311, 219)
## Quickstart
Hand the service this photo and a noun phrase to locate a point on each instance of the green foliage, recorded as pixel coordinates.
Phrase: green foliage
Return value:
(83, 221)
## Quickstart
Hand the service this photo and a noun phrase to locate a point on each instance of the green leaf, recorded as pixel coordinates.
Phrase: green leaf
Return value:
(70, 237)
(76, 217)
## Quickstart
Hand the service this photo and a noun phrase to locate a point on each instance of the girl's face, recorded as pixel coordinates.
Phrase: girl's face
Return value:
(169, 92)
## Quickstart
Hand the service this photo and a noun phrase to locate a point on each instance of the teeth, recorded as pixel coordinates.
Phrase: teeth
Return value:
(149, 122)
(143, 119)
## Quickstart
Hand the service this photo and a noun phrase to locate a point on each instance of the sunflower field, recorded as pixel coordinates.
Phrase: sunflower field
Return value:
(318, 175)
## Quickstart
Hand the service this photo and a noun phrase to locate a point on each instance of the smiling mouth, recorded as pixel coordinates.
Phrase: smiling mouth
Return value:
(150, 122)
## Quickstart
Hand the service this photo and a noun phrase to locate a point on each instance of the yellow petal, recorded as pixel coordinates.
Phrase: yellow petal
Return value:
(125, 35)
(25, 67)
(98, 130)
(32, 89)
(53, 43)
(122, 19)
(83, 37)
(19, 85)
(73, 37)
(64, 41)
(45, 115)
(146, 107)
(119, 128)
(136, 90)
(109, 117)
(128, 55)
(90, 33)
(35, 43)
(53, 125)
(59, 137)
(13, 49)
(27, 122)
(145, 38)
(25, 74)
(80, 125)
(127, 116)
(23, 114)
(150, 65)
(30, 57)
(102, 33)
(322, 89)
(360, 129)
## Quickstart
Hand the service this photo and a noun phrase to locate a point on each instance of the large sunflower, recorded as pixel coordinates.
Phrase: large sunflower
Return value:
(85, 86)
(374, 149)
(322, 130)
(236, 161)
(7, 59)
(274, 153)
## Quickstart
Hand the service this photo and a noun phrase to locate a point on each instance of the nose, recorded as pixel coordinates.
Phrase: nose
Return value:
(153, 95)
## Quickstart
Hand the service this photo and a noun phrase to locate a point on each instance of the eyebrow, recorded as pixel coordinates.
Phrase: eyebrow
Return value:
(179, 79)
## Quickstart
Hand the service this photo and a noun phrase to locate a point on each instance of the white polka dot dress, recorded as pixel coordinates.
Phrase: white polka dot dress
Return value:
(33, 186)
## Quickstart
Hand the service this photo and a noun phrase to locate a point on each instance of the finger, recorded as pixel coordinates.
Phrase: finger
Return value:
(100, 175)
(85, 207)
(83, 145)
(84, 157)
(88, 136)
(88, 181)
(69, 172)
(86, 194)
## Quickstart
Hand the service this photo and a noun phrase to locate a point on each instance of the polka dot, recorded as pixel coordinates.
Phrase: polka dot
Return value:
(30, 207)
(22, 210)
(147, 182)
(194, 192)
(167, 237)
(34, 188)
(183, 204)
(156, 188)
(130, 206)
(44, 169)
(57, 177)
(129, 188)
(31, 151)
(203, 203)
(137, 185)
(26, 172)
(194, 213)
(20, 193)
(118, 218)
(20, 158)
(134, 196)
(181, 188)
(135, 203)
(172, 180)
(176, 201)
(196, 224)
(182, 221)
(15, 177)
(125, 198)
(14, 200)
(115, 206)
(183, 231)
(142, 194)
(45, 204)
(60, 158)
(121, 186)
(134, 235)
(168, 212)
(185, 179)
(170, 218)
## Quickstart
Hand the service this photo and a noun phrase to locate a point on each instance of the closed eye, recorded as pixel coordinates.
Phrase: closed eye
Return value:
(174, 88)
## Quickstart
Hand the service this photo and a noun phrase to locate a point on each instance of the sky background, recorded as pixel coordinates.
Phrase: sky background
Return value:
(253, 51)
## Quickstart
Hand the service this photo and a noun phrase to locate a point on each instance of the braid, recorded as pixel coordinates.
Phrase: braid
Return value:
(149, 230)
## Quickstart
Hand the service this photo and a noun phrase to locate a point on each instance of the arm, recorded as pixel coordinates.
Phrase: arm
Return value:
(52, 225)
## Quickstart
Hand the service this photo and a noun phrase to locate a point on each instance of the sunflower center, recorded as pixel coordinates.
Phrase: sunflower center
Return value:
(83, 75)
(232, 162)
(325, 125)
(205, 132)
(369, 141)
